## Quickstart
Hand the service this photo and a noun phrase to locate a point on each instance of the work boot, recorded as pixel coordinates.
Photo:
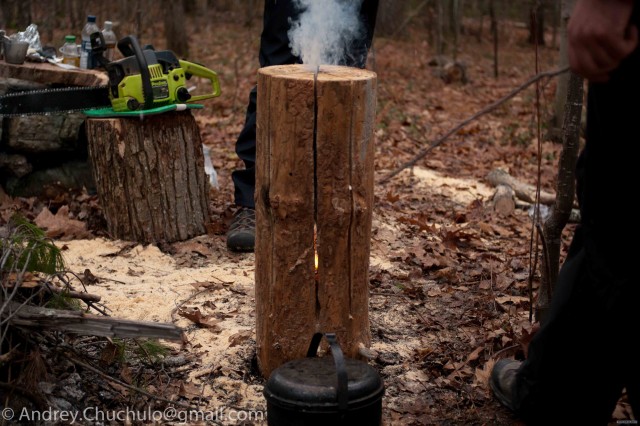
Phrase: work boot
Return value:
(241, 236)
(503, 380)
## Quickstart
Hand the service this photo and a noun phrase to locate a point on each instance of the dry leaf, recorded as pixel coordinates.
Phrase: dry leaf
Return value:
(482, 374)
(61, 226)
(512, 299)
(239, 338)
(195, 315)
(189, 391)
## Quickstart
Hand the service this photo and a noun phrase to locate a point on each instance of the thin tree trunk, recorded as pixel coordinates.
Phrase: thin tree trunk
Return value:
(536, 23)
(565, 190)
(440, 28)
(494, 33)
(563, 61)
(175, 27)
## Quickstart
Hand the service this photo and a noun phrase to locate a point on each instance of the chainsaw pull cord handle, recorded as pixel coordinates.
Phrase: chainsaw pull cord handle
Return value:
(129, 46)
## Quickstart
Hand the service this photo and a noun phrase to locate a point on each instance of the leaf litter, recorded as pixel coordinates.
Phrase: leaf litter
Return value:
(448, 277)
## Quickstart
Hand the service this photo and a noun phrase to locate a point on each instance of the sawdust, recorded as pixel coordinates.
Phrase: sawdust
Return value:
(141, 282)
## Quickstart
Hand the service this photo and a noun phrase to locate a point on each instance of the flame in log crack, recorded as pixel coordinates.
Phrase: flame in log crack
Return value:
(315, 184)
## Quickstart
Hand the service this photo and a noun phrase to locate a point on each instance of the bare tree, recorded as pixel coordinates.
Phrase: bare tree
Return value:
(536, 22)
(557, 119)
(391, 15)
(565, 191)
(175, 27)
(494, 34)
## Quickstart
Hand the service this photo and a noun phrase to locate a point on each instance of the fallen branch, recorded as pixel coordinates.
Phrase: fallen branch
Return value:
(522, 190)
(478, 114)
(39, 318)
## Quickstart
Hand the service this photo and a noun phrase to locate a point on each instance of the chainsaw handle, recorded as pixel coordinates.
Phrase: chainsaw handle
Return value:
(200, 71)
(129, 46)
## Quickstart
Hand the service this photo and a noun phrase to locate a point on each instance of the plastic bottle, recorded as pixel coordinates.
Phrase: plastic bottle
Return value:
(86, 58)
(110, 40)
(70, 51)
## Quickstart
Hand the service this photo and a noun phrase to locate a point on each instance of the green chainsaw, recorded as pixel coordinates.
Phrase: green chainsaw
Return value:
(145, 81)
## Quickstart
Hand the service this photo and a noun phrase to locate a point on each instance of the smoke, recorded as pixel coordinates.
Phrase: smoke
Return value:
(325, 31)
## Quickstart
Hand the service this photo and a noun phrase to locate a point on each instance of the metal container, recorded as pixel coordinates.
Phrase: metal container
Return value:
(322, 391)
(15, 52)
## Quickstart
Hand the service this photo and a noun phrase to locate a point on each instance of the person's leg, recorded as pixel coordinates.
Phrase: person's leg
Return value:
(573, 372)
(581, 358)
(274, 50)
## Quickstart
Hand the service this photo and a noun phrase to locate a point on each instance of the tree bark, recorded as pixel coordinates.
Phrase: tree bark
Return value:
(565, 190)
(536, 22)
(557, 121)
(314, 167)
(175, 28)
(77, 322)
(150, 176)
(494, 34)
(522, 190)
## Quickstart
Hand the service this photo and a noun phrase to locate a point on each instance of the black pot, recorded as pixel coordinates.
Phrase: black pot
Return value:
(320, 391)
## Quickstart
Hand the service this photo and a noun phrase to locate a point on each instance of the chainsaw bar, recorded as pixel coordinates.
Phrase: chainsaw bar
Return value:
(53, 101)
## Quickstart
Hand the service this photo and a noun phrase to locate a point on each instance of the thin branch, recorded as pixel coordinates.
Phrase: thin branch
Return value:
(127, 385)
(489, 108)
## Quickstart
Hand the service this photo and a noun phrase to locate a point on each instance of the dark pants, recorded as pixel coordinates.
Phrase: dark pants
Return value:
(274, 50)
(581, 359)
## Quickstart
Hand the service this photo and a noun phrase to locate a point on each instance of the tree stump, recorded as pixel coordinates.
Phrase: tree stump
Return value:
(314, 169)
(150, 176)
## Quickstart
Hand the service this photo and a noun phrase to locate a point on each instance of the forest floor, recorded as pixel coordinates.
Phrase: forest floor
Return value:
(449, 277)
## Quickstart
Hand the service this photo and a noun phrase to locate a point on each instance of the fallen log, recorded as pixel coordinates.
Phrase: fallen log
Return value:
(523, 191)
(504, 202)
(78, 322)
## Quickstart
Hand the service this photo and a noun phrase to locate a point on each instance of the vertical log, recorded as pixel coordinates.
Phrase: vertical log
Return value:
(296, 190)
(150, 176)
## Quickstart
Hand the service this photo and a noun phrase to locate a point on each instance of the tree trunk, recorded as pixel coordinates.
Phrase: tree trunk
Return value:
(494, 34)
(536, 22)
(310, 175)
(555, 131)
(150, 176)
(565, 191)
(455, 26)
(391, 14)
(175, 28)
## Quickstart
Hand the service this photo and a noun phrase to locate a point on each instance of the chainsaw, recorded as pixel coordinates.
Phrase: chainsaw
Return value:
(145, 81)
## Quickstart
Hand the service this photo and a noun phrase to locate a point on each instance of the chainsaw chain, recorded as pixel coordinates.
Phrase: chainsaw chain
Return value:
(40, 92)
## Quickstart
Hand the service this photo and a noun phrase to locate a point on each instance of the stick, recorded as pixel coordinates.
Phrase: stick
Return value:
(478, 114)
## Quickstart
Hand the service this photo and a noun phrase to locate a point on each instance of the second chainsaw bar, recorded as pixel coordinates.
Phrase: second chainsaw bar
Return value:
(50, 101)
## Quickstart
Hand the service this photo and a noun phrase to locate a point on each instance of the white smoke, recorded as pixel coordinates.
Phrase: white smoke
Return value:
(325, 31)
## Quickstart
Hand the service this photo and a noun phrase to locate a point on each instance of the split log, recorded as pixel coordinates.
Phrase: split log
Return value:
(522, 190)
(314, 167)
(504, 200)
(39, 318)
(150, 176)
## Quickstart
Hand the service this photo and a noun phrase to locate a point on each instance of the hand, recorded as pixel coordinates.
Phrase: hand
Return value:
(600, 37)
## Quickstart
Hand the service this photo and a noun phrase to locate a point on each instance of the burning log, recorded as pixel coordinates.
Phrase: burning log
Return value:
(314, 169)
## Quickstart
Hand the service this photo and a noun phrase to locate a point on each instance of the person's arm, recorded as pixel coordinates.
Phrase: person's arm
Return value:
(600, 37)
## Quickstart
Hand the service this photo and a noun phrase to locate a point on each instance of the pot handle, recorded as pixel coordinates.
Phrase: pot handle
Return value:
(338, 358)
